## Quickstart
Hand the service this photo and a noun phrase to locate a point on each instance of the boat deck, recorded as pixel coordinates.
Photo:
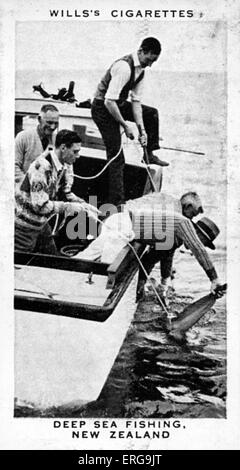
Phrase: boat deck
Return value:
(41, 282)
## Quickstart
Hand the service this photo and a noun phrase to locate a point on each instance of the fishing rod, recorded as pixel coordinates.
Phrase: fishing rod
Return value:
(182, 150)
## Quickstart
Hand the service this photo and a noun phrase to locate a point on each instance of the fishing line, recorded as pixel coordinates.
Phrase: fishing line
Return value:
(169, 315)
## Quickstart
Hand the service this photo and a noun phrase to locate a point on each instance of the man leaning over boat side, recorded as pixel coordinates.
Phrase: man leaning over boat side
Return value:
(206, 231)
(144, 218)
(37, 197)
(111, 109)
(178, 227)
(31, 143)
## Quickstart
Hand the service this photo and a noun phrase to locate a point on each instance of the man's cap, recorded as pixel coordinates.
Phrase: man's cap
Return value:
(209, 229)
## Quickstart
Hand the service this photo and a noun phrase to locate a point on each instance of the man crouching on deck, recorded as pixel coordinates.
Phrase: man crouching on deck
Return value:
(37, 198)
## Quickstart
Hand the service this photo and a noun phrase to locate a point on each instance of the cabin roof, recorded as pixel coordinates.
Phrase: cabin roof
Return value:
(33, 105)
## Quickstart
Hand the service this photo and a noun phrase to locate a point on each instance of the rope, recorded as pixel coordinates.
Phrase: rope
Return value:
(103, 169)
(100, 172)
(169, 315)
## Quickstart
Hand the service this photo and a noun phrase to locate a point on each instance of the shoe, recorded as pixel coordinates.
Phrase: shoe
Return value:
(157, 161)
(140, 291)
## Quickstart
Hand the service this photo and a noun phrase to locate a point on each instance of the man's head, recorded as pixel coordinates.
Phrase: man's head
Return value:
(67, 145)
(191, 204)
(207, 231)
(48, 119)
(149, 52)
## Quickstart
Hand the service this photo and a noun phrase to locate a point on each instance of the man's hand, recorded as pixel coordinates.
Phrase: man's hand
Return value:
(129, 132)
(72, 207)
(142, 138)
(214, 285)
(92, 211)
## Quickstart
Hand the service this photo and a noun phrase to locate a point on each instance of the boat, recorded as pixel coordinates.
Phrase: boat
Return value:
(72, 315)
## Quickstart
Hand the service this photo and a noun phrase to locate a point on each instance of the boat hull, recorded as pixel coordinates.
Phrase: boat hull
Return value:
(62, 361)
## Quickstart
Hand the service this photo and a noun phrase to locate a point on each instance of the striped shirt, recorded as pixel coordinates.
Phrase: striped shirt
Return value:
(37, 197)
(158, 221)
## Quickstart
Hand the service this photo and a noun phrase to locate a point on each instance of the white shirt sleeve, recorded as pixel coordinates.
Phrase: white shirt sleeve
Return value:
(120, 75)
(137, 93)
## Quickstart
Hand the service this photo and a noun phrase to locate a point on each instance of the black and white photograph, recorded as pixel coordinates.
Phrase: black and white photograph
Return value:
(119, 215)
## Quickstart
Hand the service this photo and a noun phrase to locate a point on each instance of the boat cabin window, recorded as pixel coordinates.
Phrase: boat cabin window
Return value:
(24, 121)
(90, 137)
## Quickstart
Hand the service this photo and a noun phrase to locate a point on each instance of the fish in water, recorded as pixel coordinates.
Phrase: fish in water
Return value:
(192, 314)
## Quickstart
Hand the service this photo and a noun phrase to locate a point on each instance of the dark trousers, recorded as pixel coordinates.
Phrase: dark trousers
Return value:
(31, 241)
(110, 131)
(151, 258)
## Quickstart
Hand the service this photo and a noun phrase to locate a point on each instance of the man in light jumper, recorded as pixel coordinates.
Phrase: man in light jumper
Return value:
(31, 143)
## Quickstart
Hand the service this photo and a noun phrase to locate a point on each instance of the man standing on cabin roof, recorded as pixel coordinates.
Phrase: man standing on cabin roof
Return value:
(37, 197)
(110, 110)
(31, 143)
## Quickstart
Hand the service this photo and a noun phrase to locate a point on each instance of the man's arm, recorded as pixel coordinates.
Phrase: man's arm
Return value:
(120, 75)
(192, 242)
(137, 114)
(136, 99)
(113, 109)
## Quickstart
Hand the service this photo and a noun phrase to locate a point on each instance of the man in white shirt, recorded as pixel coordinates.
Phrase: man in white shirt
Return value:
(111, 109)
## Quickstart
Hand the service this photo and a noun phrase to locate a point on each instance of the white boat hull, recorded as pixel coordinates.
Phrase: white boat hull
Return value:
(62, 361)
